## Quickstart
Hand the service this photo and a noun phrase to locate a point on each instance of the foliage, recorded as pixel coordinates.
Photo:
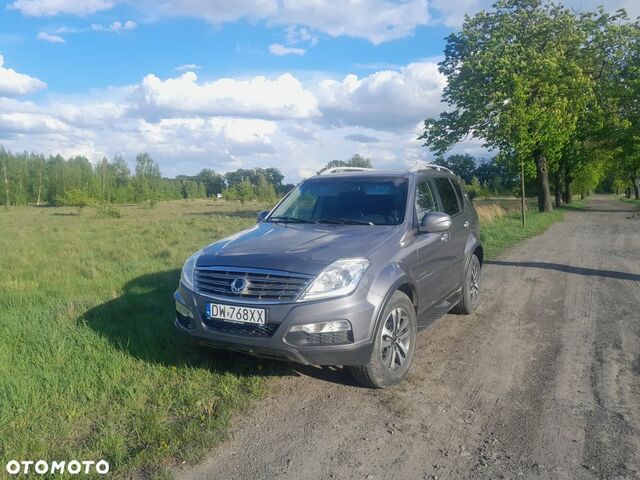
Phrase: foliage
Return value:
(515, 79)
(355, 161)
(106, 209)
(462, 165)
(35, 179)
(75, 198)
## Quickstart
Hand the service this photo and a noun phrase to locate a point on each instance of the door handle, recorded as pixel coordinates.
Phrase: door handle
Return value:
(444, 237)
(466, 224)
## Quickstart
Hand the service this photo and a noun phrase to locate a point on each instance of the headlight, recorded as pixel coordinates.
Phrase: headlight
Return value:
(338, 279)
(188, 269)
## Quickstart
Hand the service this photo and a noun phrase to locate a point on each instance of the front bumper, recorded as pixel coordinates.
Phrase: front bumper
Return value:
(275, 341)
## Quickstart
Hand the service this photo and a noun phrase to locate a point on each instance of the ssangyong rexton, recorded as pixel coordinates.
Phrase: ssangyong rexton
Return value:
(345, 270)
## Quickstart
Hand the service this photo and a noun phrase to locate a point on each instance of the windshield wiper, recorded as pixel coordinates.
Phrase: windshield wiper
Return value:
(344, 221)
(287, 219)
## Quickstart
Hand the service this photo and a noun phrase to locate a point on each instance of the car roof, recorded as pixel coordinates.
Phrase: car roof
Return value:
(381, 174)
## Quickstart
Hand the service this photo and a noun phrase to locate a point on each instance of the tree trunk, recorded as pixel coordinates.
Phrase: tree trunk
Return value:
(558, 189)
(542, 174)
(6, 181)
(39, 185)
(636, 189)
(568, 186)
(627, 192)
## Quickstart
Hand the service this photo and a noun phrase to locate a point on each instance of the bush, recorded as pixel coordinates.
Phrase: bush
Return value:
(75, 198)
(107, 209)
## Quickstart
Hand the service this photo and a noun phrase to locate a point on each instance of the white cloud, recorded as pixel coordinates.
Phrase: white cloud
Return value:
(187, 124)
(280, 50)
(48, 37)
(257, 97)
(188, 67)
(114, 27)
(385, 100)
(40, 8)
(374, 20)
(14, 83)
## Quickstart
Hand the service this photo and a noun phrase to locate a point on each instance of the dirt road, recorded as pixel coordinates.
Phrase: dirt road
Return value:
(542, 382)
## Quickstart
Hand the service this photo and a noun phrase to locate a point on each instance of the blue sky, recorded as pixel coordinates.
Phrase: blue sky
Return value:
(216, 84)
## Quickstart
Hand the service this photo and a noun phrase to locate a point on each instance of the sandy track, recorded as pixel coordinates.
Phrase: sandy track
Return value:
(542, 382)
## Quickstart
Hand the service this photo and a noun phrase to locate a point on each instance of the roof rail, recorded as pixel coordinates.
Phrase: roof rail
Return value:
(329, 171)
(431, 166)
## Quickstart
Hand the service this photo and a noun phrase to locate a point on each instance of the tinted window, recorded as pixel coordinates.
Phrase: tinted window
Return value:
(425, 201)
(460, 193)
(447, 195)
(377, 201)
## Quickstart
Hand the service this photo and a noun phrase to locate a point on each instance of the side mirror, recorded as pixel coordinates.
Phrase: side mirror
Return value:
(262, 215)
(433, 222)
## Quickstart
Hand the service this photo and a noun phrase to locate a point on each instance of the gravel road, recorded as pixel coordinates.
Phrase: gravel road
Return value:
(542, 382)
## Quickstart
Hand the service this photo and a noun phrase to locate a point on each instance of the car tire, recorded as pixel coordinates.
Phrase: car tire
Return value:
(396, 334)
(470, 288)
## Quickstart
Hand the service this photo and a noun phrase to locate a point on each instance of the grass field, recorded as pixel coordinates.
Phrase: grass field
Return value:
(90, 366)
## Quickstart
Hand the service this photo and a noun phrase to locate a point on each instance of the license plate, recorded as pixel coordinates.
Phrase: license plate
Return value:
(235, 313)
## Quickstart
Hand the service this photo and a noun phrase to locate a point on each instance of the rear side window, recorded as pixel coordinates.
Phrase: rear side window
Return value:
(425, 201)
(448, 196)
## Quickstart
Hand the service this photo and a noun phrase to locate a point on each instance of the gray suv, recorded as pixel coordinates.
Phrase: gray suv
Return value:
(345, 270)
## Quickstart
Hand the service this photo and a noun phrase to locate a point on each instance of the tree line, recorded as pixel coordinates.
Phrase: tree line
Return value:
(32, 179)
(554, 91)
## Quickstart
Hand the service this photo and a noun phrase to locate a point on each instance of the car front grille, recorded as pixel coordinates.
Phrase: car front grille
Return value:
(264, 285)
(230, 328)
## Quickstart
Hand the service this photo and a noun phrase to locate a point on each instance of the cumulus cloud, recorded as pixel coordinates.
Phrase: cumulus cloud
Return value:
(187, 124)
(374, 20)
(386, 100)
(280, 50)
(40, 8)
(14, 83)
(257, 97)
(48, 37)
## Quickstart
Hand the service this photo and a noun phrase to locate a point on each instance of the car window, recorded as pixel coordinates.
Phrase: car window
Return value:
(448, 196)
(460, 193)
(425, 201)
(350, 200)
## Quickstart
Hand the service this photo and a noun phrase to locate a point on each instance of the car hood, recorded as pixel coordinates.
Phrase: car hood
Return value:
(301, 248)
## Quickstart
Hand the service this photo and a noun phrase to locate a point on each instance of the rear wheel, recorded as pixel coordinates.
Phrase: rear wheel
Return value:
(470, 288)
(393, 347)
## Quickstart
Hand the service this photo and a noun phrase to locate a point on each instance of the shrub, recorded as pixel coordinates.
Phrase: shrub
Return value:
(107, 209)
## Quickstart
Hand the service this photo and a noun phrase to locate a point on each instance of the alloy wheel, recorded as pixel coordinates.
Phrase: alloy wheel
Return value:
(396, 339)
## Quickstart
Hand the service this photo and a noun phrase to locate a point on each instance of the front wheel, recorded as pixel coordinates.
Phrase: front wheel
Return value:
(470, 288)
(394, 345)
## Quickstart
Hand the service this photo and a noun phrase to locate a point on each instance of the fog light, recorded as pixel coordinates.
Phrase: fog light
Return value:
(182, 310)
(323, 327)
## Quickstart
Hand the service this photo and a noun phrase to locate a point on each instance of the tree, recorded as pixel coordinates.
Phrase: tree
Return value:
(355, 161)
(147, 177)
(213, 182)
(515, 80)
(462, 165)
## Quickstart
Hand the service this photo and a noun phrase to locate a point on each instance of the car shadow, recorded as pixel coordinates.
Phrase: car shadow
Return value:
(140, 322)
(591, 272)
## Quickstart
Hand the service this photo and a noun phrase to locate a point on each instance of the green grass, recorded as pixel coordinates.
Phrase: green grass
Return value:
(90, 365)
(507, 231)
(632, 201)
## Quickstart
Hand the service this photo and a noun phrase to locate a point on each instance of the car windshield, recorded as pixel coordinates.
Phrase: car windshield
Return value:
(349, 201)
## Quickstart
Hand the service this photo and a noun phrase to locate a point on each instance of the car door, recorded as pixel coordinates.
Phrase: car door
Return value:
(451, 204)
(432, 250)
